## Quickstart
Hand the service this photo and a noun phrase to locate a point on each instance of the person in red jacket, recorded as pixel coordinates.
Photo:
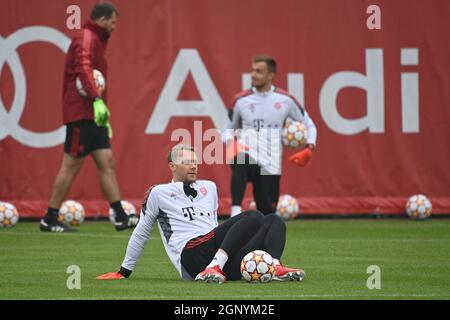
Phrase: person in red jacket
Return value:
(88, 130)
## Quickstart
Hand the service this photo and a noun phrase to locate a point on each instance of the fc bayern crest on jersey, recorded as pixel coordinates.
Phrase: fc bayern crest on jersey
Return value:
(203, 191)
(278, 106)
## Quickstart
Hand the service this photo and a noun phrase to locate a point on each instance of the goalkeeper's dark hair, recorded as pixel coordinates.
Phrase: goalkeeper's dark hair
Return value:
(173, 153)
(270, 61)
(103, 9)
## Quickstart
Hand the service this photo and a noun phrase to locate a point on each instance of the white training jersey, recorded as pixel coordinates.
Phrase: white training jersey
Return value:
(261, 116)
(178, 217)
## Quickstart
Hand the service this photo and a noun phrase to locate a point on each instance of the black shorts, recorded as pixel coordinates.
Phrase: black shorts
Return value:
(266, 188)
(199, 252)
(83, 137)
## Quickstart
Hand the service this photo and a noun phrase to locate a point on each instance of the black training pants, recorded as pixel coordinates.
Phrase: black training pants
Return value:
(239, 235)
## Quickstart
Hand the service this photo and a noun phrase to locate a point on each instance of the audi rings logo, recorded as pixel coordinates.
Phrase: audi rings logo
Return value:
(9, 121)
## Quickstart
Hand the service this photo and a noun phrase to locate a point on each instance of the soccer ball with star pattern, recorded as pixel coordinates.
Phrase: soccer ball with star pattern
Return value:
(287, 207)
(418, 207)
(127, 206)
(294, 134)
(257, 267)
(9, 216)
(71, 212)
(99, 83)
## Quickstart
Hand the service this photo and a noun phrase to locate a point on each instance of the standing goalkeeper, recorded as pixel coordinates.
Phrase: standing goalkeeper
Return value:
(87, 120)
(255, 155)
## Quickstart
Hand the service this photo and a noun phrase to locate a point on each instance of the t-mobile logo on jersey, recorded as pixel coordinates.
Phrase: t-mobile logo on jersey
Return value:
(188, 211)
(258, 124)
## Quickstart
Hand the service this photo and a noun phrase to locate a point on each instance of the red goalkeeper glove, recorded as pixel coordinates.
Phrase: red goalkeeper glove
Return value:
(301, 158)
(234, 148)
(110, 276)
(121, 274)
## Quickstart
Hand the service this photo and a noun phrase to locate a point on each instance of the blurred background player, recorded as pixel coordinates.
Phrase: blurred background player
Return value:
(186, 213)
(255, 156)
(87, 119)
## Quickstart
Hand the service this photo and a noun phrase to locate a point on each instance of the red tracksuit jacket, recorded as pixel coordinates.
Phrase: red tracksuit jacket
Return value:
(86, 52)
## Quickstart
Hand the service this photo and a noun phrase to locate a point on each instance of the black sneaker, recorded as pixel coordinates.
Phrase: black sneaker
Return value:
(130, 222)
(55, 226)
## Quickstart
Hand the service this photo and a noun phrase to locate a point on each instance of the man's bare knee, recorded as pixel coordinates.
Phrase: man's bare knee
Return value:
(107, 166)
(112, 163)
(71, 166)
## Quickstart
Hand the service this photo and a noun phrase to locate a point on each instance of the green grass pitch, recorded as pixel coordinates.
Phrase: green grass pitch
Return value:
(413, 256)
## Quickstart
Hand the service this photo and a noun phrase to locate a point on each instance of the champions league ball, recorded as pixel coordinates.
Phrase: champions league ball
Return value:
(99, 83)
(294, 134)
(287, 207)
(257, 267)
(71, 212)
(9, 216)
(127, 206)
(418, 207)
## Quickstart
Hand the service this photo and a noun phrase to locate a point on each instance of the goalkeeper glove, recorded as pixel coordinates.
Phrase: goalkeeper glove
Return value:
(101, 112)
(110, 131)
(301, 158)
(110, 276)
(121, 274)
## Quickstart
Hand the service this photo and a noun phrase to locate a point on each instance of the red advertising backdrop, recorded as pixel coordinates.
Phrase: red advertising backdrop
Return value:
(380, 98)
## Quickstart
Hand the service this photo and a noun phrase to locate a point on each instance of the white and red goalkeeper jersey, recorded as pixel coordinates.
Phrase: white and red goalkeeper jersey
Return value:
(178, 217)
(261, 116)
